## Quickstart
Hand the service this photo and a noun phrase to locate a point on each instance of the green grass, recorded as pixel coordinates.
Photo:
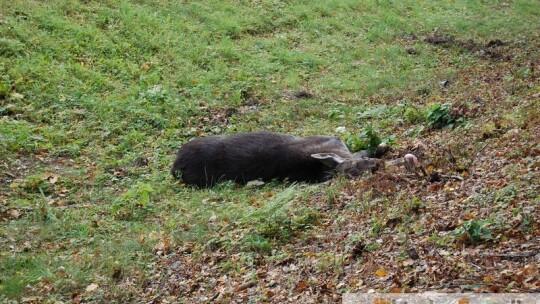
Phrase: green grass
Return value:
(89, 87)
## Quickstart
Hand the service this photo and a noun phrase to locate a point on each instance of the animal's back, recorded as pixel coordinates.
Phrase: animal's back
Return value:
(249, 156)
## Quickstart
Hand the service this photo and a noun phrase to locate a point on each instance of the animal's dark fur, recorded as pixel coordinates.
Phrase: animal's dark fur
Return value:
(250, 156)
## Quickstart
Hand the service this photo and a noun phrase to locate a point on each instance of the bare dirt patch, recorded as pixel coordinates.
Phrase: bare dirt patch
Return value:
(489, 50)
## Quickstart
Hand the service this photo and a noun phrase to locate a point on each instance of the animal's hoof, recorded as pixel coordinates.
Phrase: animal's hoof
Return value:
(411, 162)
(382, 149)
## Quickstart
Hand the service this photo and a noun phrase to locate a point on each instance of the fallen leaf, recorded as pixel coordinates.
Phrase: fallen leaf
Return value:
(16, 95)
(166, 244)
(494, 289)
(53, 179)
(408, 262)
(77, 299)
(301, 286)
(14, 213)
(381, 273)
(154, 235)
(92, 287)
(469, 215)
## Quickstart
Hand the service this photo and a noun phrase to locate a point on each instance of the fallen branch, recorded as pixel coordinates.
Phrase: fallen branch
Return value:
(459, 178)
(244, 286)
(512, 256)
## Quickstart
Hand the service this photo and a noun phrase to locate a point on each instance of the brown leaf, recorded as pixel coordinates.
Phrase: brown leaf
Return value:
(244, 286)
(77, 299)
(380, 273)
(166, 244)
(469, 215)
(495, 289)
(301, 286)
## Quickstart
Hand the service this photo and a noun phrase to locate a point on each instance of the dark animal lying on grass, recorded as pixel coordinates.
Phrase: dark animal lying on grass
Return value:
(267, 156)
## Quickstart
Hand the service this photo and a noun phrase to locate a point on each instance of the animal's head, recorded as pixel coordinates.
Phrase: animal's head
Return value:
(353, 166)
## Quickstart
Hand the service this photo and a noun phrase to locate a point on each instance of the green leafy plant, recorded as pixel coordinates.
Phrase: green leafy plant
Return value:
(133, 204)
(413, 115)
(257, 243)
(368, 140)
(475, 230)
(439, 116)
(10, 47)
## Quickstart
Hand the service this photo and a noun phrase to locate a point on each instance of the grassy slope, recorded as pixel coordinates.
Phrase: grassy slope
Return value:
(95, 98)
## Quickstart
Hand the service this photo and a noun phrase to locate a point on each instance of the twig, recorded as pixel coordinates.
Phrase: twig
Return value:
(244, 286)
(215, 296)
(9, 175)
(25, 209)
(481, 149)
(459, 178)
(73, 206)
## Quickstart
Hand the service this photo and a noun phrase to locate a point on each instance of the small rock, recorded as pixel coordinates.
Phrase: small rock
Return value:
(254, 184)
(14, 213)
(444, 83)
(413, 254)
(341, 129)
(92, 287)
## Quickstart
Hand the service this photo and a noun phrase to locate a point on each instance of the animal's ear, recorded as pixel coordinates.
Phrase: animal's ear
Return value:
(329, 159)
